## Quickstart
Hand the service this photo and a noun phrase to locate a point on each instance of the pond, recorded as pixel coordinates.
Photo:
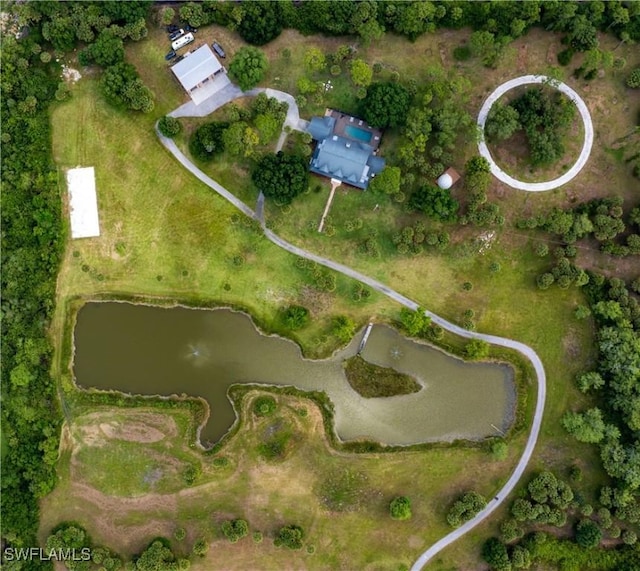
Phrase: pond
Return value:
(157, 351)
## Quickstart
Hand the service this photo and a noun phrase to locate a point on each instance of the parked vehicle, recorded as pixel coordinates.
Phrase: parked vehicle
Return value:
(182, 41)
(218, 49)
(172, 28)
(190, 29)
(170, 55)
(175, 35)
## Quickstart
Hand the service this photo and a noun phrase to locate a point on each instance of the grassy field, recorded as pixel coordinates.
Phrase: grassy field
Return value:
(166, 236)
(341, 500)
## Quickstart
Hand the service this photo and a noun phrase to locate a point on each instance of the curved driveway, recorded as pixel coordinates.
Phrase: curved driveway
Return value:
(586, 147)
(525, 350)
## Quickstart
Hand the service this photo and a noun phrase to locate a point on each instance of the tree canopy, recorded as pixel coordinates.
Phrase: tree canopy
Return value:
(386, 105)
(435, 202)
(281, 176)
(248, 67)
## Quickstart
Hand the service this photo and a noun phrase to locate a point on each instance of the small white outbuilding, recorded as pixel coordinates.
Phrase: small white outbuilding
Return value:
(83, 202)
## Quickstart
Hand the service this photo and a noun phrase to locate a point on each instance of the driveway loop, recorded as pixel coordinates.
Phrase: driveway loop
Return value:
(586, 147)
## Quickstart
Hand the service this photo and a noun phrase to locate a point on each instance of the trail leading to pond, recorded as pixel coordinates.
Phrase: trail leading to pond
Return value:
(523, 349)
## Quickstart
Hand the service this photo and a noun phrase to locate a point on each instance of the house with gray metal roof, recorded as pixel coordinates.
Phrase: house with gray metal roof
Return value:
(346, 149)
(200, 74)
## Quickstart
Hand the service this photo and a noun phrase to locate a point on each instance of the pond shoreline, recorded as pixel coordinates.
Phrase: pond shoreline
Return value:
(377, 411)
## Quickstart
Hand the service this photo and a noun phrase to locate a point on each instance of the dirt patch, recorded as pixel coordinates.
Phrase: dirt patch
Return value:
(522, 58)
(134, 426)
(131, 431)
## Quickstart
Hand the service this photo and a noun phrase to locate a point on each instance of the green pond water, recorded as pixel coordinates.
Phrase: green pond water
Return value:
(151, 350)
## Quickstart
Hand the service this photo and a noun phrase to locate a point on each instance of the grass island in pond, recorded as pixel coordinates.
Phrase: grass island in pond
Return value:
(372, 381)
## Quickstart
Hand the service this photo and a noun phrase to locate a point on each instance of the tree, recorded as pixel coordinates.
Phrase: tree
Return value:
(400, 508)
(585, 427)
(105, 51)
(208, 140)
(494, 552)
(510, 531)
(248, 67)
(386, 105)
(156, 556)
(169, 126)
(590, 381)
(483, 44)
(315, 60)
(414, 322)
(361, 73)
(290, 536)
(465, 508)
(193, 14)
(282, 176)
(582, 35)
(503, 121)
(588, 534)
(235, 529)
(295, 317)
(200, 548)
(343, 328)
(261, 22)
(386, 181)
(477, 349)
(633, 80)
(268, 127)
(240, 139)
(435, 202)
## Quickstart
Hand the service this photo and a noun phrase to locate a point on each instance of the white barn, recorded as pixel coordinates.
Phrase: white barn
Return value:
(200, 74)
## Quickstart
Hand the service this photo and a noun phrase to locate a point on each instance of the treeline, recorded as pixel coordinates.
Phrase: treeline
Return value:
(102, 27)
(550, 501)
(33, 237)
(32, 243)
(602, 219)
(260, 22)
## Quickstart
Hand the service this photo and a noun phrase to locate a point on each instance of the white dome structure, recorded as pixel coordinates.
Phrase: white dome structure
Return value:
(445, 181)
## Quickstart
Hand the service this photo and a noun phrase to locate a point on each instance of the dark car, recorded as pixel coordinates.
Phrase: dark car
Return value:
(175, 35)
(190, 29)
(172, 28)
(218, 49)
(170, 55)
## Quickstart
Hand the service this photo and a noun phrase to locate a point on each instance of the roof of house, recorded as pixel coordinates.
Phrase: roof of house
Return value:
(199, 65)
(321, 127)
(346, 160)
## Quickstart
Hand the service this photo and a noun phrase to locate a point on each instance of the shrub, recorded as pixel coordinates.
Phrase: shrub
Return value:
(235, 529)
(264, 406)
(462, 53)
(400, 508)
(295, 317)
(290, 536)
(477, 349)
(565, 56)
(200, 548)
(588, 534)
(633, 80)
(179, 534)
(169, 126)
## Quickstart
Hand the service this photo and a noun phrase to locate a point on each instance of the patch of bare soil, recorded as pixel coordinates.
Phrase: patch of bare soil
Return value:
(133, 426)
(131, 432)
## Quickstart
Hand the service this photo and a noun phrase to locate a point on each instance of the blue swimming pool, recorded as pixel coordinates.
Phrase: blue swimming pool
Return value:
(357, 133)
